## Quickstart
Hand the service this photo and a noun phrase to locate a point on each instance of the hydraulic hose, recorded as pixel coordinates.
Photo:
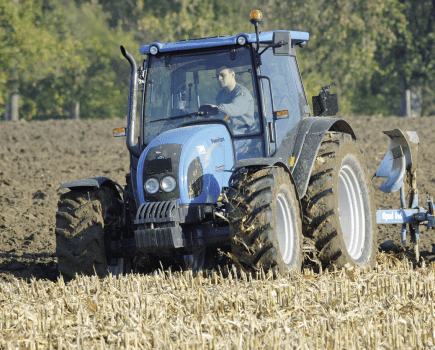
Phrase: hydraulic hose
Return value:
(132, 104)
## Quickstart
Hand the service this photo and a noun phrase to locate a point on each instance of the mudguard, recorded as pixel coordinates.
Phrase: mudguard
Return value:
(248, 162)
(94, 182)
(267, 162)
(301, 156)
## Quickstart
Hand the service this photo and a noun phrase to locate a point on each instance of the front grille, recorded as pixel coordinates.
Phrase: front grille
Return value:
(158, 212)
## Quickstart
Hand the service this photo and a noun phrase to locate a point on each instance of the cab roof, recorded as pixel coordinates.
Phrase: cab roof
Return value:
(191, 44)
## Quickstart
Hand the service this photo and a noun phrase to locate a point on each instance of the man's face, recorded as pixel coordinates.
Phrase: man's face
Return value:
(225, 77)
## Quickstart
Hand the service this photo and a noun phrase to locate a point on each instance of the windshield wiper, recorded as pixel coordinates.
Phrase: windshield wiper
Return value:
(179, 116)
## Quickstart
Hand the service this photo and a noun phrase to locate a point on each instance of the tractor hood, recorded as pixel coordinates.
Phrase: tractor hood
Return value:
(198, 157)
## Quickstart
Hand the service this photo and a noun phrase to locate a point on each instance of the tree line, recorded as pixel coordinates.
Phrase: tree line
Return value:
(61, 58)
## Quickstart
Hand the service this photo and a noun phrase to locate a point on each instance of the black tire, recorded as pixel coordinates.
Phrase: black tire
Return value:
(265, 220)
(80, 221)
(339, 213)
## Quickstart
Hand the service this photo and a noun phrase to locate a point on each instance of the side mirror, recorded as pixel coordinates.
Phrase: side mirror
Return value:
(325, 104)
(282, 43)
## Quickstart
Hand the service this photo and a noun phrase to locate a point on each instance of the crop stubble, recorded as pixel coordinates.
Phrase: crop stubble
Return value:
(390, 307)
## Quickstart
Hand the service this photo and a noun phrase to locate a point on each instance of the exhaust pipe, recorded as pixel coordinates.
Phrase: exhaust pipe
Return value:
(132, 104)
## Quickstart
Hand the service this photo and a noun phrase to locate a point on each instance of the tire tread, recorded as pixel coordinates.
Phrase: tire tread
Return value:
(252, 231)
(320, 217)
(80, 222)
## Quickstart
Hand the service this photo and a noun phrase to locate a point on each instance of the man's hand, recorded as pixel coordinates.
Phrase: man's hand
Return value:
(209, 109)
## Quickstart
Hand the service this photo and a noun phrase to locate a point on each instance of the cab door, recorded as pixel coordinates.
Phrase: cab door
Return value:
(288, 92)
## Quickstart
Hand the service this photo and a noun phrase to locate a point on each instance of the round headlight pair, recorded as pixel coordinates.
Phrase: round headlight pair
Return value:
(167, 184)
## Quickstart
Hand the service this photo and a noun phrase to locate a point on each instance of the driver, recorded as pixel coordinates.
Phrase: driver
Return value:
(235, 101)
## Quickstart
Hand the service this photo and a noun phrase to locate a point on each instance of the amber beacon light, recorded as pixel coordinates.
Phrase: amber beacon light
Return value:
(256, 17)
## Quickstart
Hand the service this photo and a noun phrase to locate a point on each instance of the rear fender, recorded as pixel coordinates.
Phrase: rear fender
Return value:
(309, 138)
(92, 183)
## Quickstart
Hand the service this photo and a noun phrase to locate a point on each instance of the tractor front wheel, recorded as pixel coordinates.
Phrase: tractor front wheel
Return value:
(265, 223)
(80, 222)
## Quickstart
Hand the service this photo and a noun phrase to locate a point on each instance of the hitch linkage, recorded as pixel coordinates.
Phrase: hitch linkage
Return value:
(415, 216)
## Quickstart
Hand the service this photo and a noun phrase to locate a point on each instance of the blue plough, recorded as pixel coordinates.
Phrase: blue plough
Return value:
(401, 161)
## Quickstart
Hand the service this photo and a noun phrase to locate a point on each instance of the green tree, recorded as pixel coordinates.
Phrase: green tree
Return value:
(25, 49)
(87, 69)
(173, 20)
(344, 38)
(413, 56)
(407, 64)
(57, 54)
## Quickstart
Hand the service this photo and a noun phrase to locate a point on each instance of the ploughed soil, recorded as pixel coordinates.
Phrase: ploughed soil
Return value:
(37, 157)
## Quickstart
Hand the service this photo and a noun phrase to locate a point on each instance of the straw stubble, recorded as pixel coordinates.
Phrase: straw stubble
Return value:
(353, 308)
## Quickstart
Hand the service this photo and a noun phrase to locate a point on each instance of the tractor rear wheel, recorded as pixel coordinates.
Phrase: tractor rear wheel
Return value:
(339, 213)
(80, 222)
(265, 222)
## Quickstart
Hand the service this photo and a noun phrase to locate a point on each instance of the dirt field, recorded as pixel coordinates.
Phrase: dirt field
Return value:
(37, 157)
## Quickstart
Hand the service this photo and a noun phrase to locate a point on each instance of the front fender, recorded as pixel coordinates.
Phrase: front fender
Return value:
(261, 162)
(94, 182)
(267, 162)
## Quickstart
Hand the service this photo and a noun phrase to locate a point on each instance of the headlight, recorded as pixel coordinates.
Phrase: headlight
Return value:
(152, 185)
(154, 50)
(241, 40)
(168, 184)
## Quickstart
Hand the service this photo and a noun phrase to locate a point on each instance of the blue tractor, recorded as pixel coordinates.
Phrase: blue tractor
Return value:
(226, 156)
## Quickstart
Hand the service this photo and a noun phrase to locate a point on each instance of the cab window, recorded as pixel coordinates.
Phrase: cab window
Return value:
(287, 90)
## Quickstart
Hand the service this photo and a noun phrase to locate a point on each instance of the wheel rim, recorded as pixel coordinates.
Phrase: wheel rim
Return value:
(285, 227)
(352, 214)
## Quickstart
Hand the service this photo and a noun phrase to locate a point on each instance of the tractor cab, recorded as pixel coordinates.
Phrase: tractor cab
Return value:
(186, 88)
(250, 83)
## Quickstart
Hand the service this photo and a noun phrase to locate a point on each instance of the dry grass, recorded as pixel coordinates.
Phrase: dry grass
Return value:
(389, 307)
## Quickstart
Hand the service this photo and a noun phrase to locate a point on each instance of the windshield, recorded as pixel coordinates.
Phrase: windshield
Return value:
(201, 86)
